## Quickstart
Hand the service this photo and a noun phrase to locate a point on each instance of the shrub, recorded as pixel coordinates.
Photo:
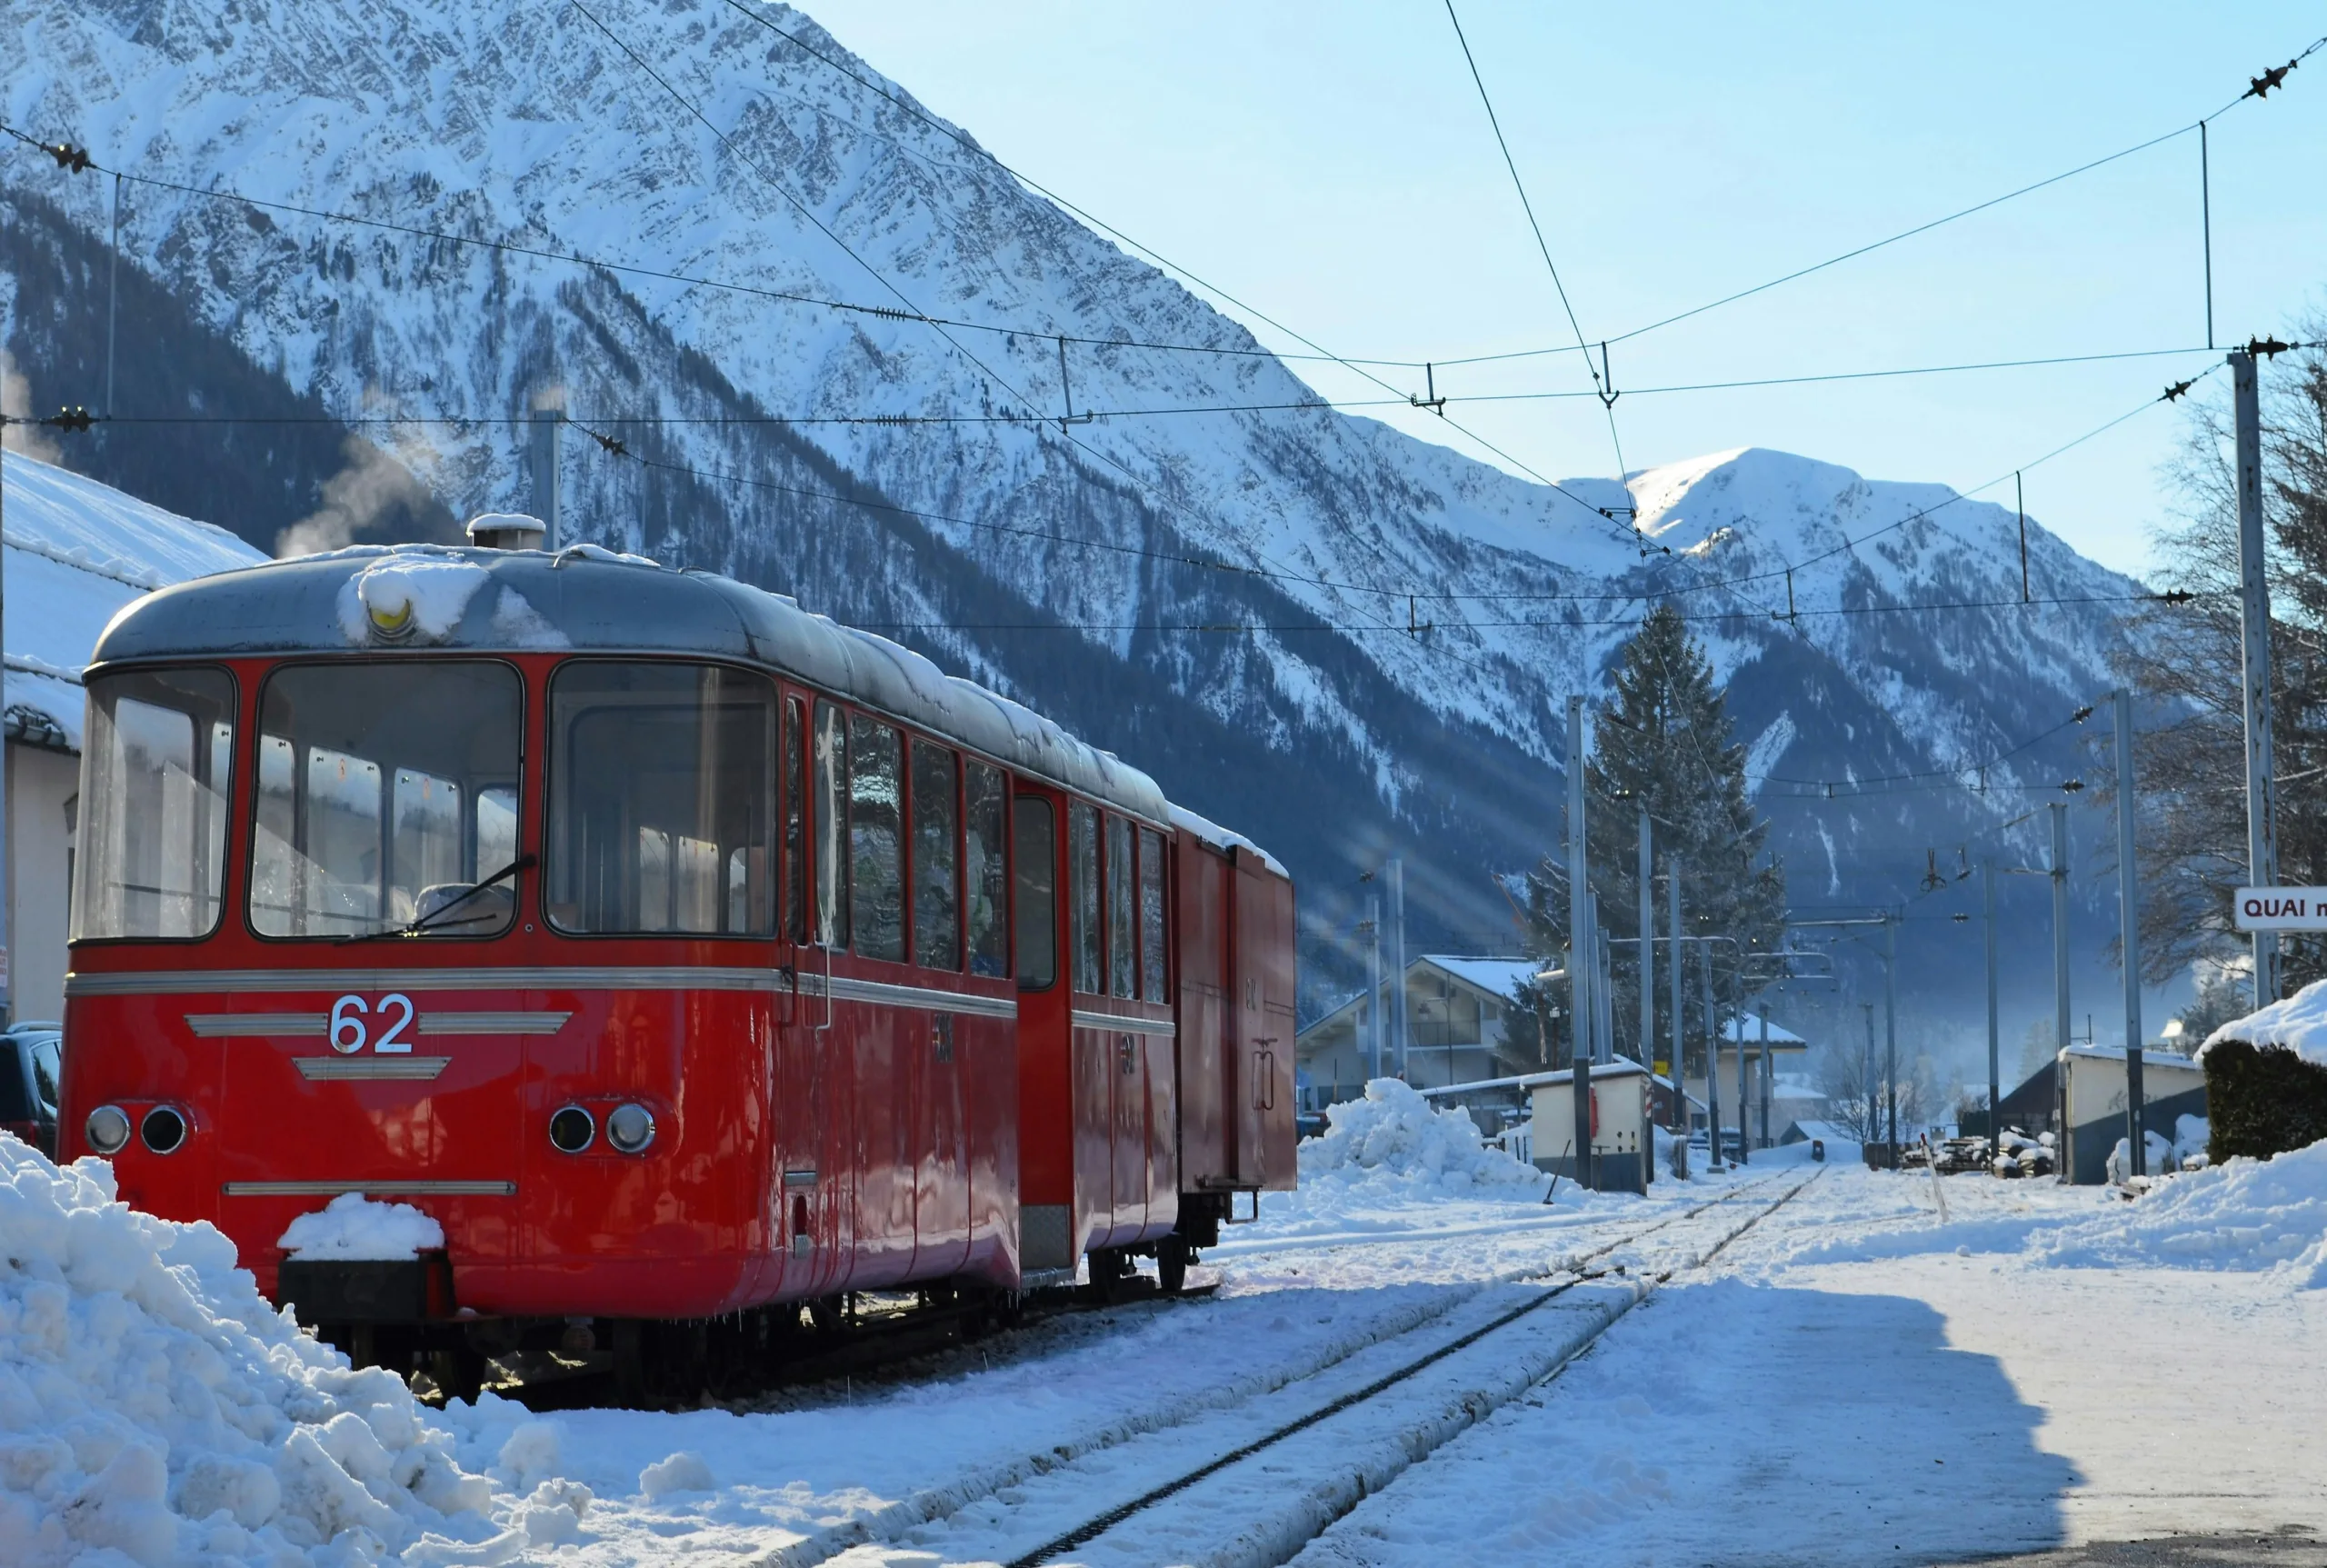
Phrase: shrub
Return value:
(2262, 1101)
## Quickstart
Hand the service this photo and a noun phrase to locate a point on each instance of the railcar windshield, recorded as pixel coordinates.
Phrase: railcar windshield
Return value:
(661, 781)
(386, 791)
(155, 786)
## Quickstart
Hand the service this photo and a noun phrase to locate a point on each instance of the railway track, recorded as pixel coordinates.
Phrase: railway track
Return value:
(1230, 1427)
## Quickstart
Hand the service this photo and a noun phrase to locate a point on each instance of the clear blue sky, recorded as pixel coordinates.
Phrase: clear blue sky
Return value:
(1330, 163)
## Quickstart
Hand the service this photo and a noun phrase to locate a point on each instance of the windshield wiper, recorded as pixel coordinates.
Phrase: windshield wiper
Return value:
(436, 915)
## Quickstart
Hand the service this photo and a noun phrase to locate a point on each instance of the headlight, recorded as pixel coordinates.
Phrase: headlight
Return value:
(630, 1128)
(163, 1129)
(108, 1129)
(570, 1129)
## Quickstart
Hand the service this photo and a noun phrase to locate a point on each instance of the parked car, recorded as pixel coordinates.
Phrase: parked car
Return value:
(31, 1063)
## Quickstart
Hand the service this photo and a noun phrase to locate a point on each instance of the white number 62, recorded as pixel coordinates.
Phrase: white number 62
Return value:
(348, 1034)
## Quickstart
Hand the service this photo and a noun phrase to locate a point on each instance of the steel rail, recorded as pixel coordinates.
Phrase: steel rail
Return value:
(1093, 1529)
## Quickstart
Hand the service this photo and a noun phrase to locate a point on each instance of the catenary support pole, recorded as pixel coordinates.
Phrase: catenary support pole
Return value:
(1647, 945)
(2255, 620)
(2128, 912)
(547, 471)
(1712, 1067)
(1680, 1039)
(1866, 1078)
(1995, 1070)
(1745, 1093)
(1583, 960)
(1374, 1009)
(7, 985)
(113, 297)
(1580, 1079)
(1397, 1009)
(1763, 1076)
(1890, 1025)
(2060, 925)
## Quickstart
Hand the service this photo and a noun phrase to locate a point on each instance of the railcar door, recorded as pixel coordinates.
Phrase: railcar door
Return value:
(816, 1084)
(942, 1194)
(1198, 893)
(1049, 1233)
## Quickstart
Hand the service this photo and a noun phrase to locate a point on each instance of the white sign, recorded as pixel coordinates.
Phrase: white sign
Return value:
(2279, 909)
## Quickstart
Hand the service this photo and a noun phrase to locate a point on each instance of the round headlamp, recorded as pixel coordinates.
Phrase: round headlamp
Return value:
(108, 1129)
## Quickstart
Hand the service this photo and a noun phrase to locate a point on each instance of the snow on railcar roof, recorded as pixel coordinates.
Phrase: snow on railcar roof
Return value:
(584, 597)
(1222, 838)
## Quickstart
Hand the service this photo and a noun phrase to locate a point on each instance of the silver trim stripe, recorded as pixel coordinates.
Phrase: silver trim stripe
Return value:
(1124, 1024)
(674, 977)
(490, 1023)
(393, 1189)
(258, 1025)
(326, 1069)
(883, 994)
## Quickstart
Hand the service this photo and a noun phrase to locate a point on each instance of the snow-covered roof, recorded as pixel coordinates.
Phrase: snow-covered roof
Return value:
(1498, 977)
(2299, 1022)
(1223, 839)
(584, 597)
(1803, 1131)
(1747, 1027)
(1620, 1067)
(2150, 1055)
(77, 554)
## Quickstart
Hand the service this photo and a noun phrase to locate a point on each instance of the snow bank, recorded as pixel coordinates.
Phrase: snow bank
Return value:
(2247, 1216)
(1395, 1138)
(2298, 1022)
(355, 1228)
(155, 1410)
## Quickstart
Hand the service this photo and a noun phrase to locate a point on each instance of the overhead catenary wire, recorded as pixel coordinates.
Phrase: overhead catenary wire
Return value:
(1599, 382)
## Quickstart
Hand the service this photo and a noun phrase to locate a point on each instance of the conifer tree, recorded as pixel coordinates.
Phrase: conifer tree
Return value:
(1662, 739)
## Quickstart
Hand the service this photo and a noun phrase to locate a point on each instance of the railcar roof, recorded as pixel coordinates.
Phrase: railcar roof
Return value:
(588, 599)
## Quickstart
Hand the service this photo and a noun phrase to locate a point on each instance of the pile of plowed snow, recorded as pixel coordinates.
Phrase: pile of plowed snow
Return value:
(1395, 1138)
(155, 1409)
(2244, 1216)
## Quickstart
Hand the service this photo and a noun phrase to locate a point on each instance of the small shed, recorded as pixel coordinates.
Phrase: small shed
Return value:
(2092, 1115)
(1624, 1150)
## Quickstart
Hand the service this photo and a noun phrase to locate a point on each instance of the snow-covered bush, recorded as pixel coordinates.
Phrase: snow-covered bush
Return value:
(2244, 1215)
(155, 1409)
(2266, 1077)
(1394, 1136)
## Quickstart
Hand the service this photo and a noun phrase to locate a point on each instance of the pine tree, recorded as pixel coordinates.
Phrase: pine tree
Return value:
(1663, 740)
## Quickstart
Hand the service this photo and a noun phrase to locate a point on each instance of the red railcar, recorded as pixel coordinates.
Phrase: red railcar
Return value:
(683, 953)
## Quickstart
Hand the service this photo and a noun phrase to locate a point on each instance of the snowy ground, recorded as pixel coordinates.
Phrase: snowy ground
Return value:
(1850, 1381)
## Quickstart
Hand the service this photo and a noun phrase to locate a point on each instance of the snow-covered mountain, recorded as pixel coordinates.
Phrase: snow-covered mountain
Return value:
(1225, 597)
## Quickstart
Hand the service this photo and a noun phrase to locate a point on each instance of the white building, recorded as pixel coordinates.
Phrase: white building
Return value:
(75, 553)
(1455, 1010)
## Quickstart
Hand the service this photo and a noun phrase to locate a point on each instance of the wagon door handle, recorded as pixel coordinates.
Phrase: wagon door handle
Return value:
(827, 1023)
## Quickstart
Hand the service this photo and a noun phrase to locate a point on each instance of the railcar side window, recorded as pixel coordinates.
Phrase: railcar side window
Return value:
(1037, 838)
(1123, 953)
(366, 777)
(660, 813)
(1083, 871)
(936, 896)
(832, 825)
(985, 870)
(796, 830)
(876, 871)
(1150, 917)
(155, 775)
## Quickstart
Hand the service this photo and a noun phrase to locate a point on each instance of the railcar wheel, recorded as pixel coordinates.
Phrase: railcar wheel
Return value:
(825, 1315)
(1172, 1254)
(1110, 1268)
(458, 1372)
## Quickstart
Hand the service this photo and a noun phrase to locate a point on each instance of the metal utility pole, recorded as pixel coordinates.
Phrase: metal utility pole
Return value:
(1874, 1117)
(1603, 988)
(1680, 1040)
(1397, 873)
(1580, 1078)
(7, 984)
(1744, 1095)
(547, 425)
(1582, 957)
(1712, 1069)
(1373, 986)
(1891, 1025)
(1647, 946)
(2254, 618)
(1765, 1079)
(2128, 912)
(2060, 925)
(1995, 1070)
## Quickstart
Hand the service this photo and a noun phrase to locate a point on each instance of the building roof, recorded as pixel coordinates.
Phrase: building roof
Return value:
(1497, 976)
(1747, 1027)
(79, 552)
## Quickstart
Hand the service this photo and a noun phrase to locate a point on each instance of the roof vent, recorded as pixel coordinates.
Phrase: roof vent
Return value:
(506, 531)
